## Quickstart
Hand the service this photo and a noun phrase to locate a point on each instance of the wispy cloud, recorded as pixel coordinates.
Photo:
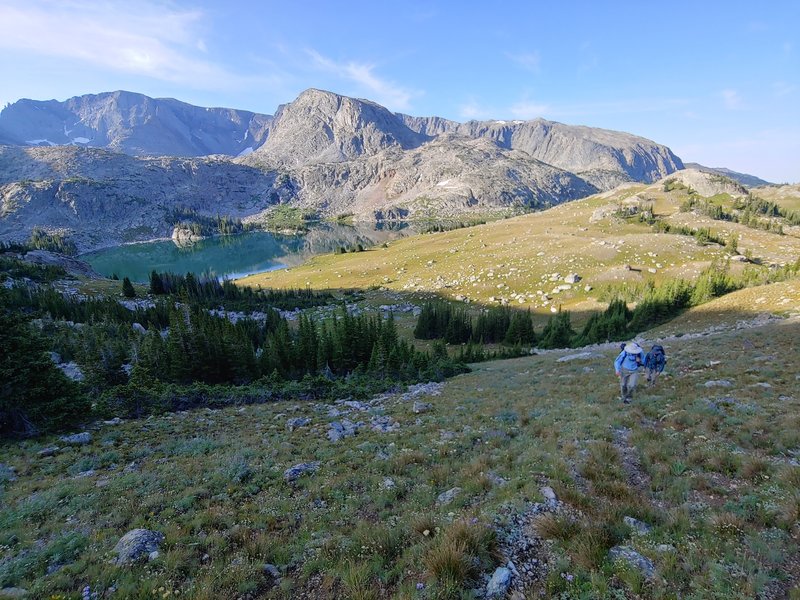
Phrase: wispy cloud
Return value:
(530, 61)
(472, 110)
(143, 38)
(731, 99)
(385, 92)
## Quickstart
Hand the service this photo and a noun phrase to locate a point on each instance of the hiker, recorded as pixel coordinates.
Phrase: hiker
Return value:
(654, 363)
(627, 368)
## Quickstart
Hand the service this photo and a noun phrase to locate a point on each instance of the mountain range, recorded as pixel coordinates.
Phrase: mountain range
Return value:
(113, 167)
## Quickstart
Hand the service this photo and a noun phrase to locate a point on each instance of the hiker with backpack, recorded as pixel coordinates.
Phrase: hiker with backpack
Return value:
(626, 365)
(654, 363)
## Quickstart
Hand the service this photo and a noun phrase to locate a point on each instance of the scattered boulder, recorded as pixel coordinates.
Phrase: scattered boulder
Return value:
(139, 328)
(448, 496)
(77, 439)
(421, 407)
(136, 543)
(49, 451)
(638, 527)
(635, 560)
(388, 484)
(342, 429)
(499, 583)
(272, 571)
(297, 422)
(579, 356)
(718, 383)
(383, 424)
(549, 495)
(294, 473)
(572, 278)
(114, 421)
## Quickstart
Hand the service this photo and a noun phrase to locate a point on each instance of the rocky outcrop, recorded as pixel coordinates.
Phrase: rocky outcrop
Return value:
(322, 127)
(742, 178)
(134, 124)
(708, 184)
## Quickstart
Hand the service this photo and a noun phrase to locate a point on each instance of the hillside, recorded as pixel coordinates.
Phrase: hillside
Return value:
(524, 261)
(532, 461)
(100, 198)
(743, 178)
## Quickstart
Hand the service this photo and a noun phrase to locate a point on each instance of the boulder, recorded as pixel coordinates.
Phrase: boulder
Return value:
(49, 451)
(549, 495)
(77, 439)
(342, 429)
(295, 472)
(137, 543)
(572, 278)
(638, 527)
(633, 559)
(297, 422)
(499, 583)
(718, 383)
(448, 496)
(421, 407)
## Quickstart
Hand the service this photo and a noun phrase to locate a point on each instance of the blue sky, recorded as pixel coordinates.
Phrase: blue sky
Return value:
(718, 82)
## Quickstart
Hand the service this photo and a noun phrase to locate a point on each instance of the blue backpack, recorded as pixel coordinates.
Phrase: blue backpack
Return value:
(657, 358)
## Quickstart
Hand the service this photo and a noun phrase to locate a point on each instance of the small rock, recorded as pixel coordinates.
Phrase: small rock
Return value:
(639, 527)
(153, 555)
(448, 496)
(272, 571)
(665, 548)
(718, 383)
(549, 495)
(137, 543)
(293, 473)
(139, 328)
(114, 421)
(579, 356)
(572, 278)
(499, 583)
(77, 439)
(630, 556)
(388, 484)
(49, 451)
(421, 407)
(297, 422)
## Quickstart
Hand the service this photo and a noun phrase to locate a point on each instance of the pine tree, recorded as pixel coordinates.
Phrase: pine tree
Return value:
(127, 288)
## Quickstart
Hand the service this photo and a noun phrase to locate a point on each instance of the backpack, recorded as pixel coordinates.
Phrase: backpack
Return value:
(659, 359)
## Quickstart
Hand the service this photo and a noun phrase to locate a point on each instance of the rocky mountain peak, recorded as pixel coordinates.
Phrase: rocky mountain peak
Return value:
(322, 127)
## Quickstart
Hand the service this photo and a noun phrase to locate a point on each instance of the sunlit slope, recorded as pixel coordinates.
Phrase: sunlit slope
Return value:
(524, 261)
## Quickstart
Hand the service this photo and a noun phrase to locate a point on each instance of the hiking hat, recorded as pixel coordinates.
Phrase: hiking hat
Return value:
(633, 348)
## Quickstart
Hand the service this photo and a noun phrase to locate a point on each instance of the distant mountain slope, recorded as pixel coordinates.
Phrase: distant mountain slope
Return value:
(102, 198)
(134, 124)
(743, 178)
(602, 157)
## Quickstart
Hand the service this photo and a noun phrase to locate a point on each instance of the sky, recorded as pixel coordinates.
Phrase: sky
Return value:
(717, 82)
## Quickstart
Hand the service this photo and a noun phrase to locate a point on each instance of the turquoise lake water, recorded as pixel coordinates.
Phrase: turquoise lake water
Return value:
(235, 256)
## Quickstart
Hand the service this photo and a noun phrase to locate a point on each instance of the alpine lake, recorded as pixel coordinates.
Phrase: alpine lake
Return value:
(240, 255)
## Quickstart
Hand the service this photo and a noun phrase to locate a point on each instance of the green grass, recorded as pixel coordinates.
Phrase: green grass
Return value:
(713, 479)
